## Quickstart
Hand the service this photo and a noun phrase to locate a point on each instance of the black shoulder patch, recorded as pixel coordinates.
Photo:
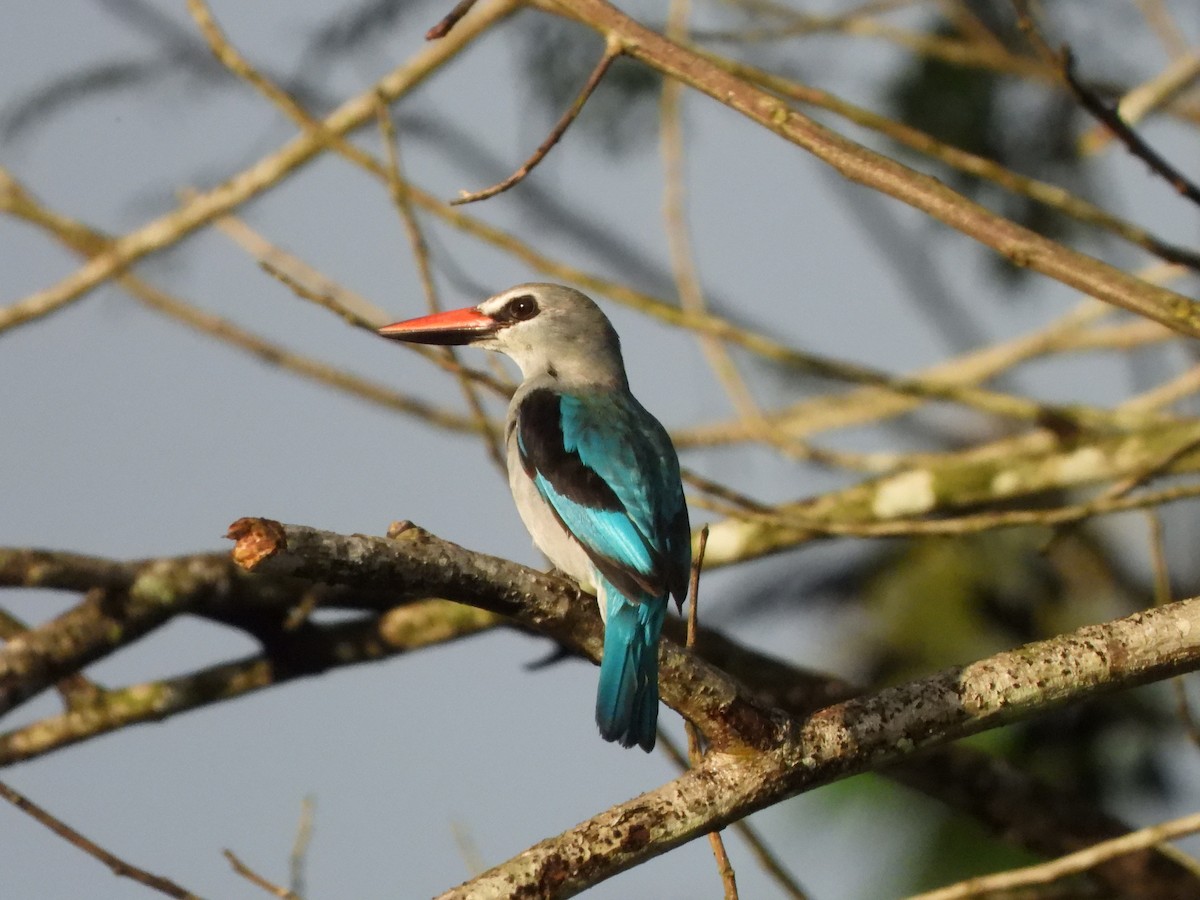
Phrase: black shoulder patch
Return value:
(542, 452)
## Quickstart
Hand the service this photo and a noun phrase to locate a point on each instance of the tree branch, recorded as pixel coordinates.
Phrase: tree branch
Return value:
(760, 756)
(203, 208)
(108, 618)
(611, 52)
(303, 652)
(1019, 245)
(118, 866)
(1037, 816)
(1110, 117)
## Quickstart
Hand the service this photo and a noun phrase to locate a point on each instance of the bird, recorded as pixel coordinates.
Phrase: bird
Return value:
(593, 474)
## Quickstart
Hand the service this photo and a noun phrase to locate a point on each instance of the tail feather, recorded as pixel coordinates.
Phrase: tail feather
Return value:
(627, 697)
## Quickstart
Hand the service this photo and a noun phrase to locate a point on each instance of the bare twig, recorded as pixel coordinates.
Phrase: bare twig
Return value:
(1049, 195)
(299, 855)
(956, 52)
(695, 753)
(399, 190)
(1071, 864)
(1111, 118)
(683, 263)
(468, 849)
(403, 629)
(763, 345)
(1163, 24)
(612, 49)
(172, 227)
(1162, 596)
(309, 284)
(1021, 246)
(351, 306)
(254, 878)
(442, 28)
(693, 622)
(766, 858)
(1167, 393)
(1142, 100)
(118, 866)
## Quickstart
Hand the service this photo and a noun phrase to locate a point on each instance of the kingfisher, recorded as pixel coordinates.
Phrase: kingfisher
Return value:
(594, 475)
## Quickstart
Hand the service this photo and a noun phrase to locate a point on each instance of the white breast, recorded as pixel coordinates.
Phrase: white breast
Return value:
(548, 534)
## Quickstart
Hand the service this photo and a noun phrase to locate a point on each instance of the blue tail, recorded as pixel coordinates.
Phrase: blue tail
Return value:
(627, 698)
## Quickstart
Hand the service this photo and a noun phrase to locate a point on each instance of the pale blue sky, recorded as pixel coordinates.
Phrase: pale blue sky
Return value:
(122, 433)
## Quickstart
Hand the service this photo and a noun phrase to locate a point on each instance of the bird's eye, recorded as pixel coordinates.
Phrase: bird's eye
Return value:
(521, 308)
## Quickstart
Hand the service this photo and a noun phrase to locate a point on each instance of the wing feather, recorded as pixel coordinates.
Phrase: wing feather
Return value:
(608, 470)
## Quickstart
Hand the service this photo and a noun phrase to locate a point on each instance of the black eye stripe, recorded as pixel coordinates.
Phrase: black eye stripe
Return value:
(518, 309)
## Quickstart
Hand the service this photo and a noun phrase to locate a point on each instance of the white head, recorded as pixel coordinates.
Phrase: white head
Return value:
(546, 329)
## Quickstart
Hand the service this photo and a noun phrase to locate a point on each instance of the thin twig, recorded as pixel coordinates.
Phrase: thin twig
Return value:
(695, 754)
(1162, 596)
(967, 22)
(770, 863)
(683, 263)
(612, 49)
(765, 856)
(694, 590)
(119, 866)
(970, 524)
(398, 189)
(1163, 24)
(1138, 102)
(309, 284)
(468, 849)
(321, 298)
(442, 28)
(1167, 393)
(172, 227)
(350, 305)
(299, 855)
(1018, 244)
(254, 878)
(760, 344)
(1111, 118)
(1124, 486)
(954, 51)
(1049, 195)
(724, 492)
(1071, 864)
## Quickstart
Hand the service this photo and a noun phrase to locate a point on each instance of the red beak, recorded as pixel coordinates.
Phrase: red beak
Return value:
(458, 326)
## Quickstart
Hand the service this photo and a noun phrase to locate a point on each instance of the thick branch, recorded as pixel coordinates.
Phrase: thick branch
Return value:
(106, 619)
(775, 756)
(303, 651)
(997, 473)
(418, 564)
(1035, 815)
(849, 738)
